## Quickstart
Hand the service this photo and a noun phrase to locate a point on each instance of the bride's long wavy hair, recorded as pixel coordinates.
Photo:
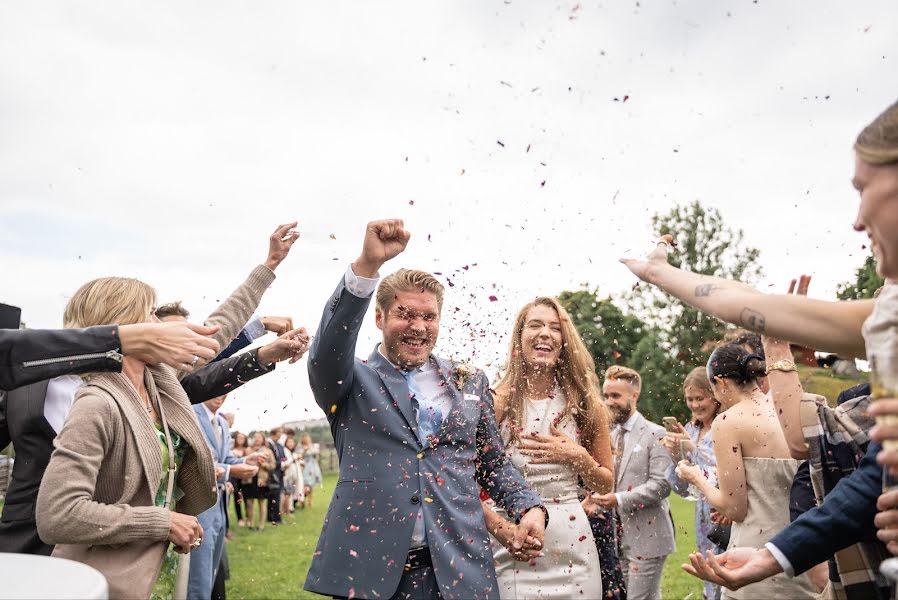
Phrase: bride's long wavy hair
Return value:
(575, 374)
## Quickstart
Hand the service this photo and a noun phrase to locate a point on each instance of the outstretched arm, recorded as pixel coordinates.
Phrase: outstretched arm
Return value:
(830, 326)
(332, 354)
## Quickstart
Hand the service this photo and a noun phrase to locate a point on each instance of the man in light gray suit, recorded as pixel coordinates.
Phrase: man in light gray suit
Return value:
(417, 438)
(640, 496)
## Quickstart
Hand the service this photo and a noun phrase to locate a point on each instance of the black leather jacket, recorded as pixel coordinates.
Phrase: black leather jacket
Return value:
(30, 355)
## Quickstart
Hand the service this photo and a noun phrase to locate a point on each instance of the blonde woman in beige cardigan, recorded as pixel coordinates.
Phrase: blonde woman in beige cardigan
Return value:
(104, 479)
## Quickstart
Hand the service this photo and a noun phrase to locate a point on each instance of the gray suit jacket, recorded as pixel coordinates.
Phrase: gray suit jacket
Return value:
(387, 474)
(643, 489)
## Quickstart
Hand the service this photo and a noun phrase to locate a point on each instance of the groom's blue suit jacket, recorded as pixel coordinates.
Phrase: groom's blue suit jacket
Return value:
(387, 474)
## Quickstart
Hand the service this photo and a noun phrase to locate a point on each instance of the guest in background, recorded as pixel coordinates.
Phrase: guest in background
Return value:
(311, 471)
(255, 492)
(640, 499)
(239, 449)
(695, 445)
(293, 484)
(275, 476)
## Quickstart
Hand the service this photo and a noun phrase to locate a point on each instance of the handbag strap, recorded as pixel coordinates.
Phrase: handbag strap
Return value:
(170, 487)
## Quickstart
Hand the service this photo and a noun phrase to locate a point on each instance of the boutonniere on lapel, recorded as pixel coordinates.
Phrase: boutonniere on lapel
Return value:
(463, 372)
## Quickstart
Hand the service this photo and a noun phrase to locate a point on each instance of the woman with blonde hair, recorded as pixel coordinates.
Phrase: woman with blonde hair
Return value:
(107, 498)
(555, 428)
(693, 443)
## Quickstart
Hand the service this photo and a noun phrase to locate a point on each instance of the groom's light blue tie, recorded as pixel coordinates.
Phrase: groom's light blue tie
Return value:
(428, 414)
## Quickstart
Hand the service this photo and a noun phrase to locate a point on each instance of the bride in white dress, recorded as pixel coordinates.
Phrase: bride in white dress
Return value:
(555, 428)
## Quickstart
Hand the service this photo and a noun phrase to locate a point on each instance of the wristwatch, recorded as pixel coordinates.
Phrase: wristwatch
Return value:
(784, 365)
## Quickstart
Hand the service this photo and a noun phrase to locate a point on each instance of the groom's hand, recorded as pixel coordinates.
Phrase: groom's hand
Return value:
(531, 531)
(383, 240)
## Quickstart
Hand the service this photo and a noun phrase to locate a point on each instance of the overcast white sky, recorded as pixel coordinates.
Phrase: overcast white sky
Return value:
(165, 141)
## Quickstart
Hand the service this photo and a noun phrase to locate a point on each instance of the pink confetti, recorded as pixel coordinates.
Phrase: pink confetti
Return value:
(493, 299)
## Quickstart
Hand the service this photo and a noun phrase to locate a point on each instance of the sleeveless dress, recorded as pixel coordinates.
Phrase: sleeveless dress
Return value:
(768, 481)
(569, 567)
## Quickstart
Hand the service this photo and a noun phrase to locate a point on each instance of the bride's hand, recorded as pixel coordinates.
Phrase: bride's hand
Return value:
(645, 267)
(504, 534)
(553, 448)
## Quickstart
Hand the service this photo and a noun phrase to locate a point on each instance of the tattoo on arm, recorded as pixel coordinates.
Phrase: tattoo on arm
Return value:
(704, 289)
(753, 320)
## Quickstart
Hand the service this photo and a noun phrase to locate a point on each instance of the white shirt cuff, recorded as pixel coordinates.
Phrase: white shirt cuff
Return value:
(254, 328)
(781, 559)
(361, 287)
(617, 497)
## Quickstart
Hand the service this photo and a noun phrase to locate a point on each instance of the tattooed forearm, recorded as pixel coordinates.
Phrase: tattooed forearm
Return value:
(753, 320)
(704, 289)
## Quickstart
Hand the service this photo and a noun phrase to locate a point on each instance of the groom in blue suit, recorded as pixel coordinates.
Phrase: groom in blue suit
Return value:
(417, 438)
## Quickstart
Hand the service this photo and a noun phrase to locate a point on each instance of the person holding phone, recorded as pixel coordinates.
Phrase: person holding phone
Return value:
(694, 443)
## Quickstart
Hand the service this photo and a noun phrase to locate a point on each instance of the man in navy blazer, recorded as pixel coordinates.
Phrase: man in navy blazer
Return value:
(417, 438)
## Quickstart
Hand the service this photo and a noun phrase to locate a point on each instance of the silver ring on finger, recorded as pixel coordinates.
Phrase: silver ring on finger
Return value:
(196, 359)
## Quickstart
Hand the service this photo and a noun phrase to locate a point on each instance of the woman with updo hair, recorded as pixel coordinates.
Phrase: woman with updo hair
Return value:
(754, 466)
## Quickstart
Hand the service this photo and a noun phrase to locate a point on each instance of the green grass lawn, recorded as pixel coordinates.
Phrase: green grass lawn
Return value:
(273, 563)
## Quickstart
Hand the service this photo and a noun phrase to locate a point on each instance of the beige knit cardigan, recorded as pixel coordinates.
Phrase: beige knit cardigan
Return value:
(101, 483)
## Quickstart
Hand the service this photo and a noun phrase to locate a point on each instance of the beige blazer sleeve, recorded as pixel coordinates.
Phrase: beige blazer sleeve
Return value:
(232, 314)
(66, 512)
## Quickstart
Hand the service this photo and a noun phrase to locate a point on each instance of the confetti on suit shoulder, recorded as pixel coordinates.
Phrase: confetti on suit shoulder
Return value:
(333, 408)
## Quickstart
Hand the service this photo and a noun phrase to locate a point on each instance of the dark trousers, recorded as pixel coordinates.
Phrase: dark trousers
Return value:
(238, 497)
(218, 587)
(420, 584)
(21, 537)
(274, 504)
(603, 530)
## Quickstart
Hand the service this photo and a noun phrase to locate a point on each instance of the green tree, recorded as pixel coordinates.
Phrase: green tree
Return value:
(867, 281)
(662, 378)
(609, 334)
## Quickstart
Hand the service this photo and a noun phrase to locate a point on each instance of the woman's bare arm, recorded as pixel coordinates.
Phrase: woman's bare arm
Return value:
(828, 326)
(786, 392)
(730, 498)
(598, 476)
